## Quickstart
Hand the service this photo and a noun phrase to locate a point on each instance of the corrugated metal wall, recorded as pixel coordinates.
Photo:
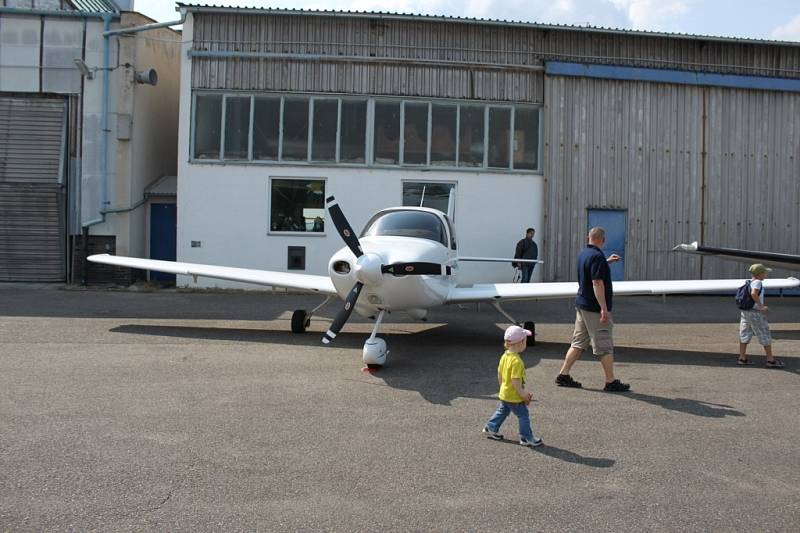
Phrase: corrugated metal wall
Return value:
(32, 226)
(639, 146)
(753, 175)
(622, 145)
(480, 61)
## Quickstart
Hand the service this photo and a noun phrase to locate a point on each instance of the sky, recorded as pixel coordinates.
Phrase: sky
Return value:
(751, 19)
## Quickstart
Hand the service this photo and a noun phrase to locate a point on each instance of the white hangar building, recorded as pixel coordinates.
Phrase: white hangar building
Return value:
(660, 138)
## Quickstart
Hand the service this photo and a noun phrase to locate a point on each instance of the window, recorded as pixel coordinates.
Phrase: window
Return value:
(266, 127)
(526, 138)
(295, 129)
(415, 134)
(470, 136)
(353, 146)
(237, 127)
(326, 120)
(208, 117)
(499, 137)
(434, 195)
(297, 205)
(443, 134)
(399, 223)
(387, 133)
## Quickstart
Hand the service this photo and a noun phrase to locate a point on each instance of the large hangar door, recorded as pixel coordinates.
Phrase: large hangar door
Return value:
(32, 214)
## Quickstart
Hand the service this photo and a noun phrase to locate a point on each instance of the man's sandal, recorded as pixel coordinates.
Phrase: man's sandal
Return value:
(744, 362)
(775, 364)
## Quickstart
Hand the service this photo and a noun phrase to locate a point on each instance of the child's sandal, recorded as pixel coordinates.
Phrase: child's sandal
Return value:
(744, 362)
(775, 364)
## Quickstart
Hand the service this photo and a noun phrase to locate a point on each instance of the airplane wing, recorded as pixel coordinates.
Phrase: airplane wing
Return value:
(304, 282)
(787, 261)
(540, 291)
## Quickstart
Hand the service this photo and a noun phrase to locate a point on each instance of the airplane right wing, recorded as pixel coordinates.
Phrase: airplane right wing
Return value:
(495, 292)
(787, 261)
(304, 282)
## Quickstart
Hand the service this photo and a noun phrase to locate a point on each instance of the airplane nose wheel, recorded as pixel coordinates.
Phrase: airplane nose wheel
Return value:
(300, 321)
(531, 326)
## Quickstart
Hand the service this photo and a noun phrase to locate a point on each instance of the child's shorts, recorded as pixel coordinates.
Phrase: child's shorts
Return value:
(754, 324)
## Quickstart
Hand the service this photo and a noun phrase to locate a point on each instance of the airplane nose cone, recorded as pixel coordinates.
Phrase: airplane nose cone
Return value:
(368, 269)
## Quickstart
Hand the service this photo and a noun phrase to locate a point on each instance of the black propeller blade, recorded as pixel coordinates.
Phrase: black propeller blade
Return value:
(416, 269)
(344, 314)
(343, 226)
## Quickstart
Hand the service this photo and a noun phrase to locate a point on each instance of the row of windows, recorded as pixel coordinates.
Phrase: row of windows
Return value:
(365, 131)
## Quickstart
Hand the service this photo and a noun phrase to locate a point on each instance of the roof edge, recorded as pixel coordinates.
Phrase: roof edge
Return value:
(383, 15)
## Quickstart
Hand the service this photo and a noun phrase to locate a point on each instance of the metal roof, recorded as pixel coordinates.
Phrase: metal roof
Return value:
(199, 7)
(94, 6)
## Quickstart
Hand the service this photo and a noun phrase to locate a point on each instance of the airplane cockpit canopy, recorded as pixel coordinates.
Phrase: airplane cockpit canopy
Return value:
(406, 223)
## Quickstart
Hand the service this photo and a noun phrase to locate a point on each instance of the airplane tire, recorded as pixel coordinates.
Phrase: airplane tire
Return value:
(531, 326)
(299, 321)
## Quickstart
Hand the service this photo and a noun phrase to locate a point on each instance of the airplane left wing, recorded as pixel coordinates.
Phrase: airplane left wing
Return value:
(540, 291)
(304, 282)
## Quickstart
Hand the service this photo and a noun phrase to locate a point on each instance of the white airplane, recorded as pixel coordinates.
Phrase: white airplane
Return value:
(406, 260)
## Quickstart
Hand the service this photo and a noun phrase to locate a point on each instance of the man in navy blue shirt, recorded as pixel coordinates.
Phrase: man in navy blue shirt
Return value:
(593, 323)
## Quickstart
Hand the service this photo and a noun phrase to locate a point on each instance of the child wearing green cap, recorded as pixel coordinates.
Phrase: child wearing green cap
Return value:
(753, 322)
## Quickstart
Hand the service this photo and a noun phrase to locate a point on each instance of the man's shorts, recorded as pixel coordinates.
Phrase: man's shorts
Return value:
(589, 330)
(754, 324)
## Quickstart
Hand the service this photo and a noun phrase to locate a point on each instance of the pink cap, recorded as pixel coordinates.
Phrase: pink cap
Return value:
(516, 334)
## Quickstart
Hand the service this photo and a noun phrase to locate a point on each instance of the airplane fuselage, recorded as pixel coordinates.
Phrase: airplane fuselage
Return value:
(387, 292)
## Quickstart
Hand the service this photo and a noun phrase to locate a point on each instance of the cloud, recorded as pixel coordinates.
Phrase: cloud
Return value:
(789, 31)
(652, 14)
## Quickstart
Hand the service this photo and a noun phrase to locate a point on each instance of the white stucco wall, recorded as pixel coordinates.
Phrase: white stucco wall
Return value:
(226, 208)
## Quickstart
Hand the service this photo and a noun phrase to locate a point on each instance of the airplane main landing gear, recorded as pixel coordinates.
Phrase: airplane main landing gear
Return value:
(301, 319)
(529, 325)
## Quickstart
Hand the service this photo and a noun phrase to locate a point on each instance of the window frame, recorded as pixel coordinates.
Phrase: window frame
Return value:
(270, 231)
(369, 142)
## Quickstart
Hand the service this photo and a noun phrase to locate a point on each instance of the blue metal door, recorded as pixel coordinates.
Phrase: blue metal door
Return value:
(163, 236)
(613, 221)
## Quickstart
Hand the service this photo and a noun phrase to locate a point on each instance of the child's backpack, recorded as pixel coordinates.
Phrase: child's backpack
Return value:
(744, 298)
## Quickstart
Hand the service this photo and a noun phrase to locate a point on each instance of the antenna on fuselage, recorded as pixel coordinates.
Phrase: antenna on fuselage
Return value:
(422, 198)
(451, 205)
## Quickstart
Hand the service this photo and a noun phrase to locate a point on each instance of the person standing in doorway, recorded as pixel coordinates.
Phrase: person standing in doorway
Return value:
(526, 249)
(593, 322)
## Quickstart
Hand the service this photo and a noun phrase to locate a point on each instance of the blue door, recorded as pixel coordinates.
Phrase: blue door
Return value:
(613, 221)
(163, 236)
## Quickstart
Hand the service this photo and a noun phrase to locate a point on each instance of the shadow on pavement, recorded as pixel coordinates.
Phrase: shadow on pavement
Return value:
(566, 455)
(682, 405)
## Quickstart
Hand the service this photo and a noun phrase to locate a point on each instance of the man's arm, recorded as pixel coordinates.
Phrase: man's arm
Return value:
(599, 288)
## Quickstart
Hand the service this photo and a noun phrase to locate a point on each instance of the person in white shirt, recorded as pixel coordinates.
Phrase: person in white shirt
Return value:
(753, 322)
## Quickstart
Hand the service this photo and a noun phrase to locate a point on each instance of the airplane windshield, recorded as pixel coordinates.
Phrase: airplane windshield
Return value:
(419, 224)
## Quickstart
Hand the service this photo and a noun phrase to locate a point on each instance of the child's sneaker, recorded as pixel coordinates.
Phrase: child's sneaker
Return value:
(492, 434)
(533, 443)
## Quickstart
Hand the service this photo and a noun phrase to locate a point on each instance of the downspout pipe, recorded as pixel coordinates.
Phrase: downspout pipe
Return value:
(104, 125)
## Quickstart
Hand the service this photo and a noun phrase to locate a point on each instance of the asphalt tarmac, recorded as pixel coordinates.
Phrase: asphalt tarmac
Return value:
(137, 411)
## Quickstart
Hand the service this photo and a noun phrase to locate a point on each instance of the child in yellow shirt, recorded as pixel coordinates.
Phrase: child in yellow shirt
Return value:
(513, 396)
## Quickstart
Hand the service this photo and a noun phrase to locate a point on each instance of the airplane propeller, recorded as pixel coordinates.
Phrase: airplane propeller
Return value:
(366, 264)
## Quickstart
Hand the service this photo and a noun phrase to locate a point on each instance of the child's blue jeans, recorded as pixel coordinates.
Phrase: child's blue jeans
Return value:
(502, 412)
